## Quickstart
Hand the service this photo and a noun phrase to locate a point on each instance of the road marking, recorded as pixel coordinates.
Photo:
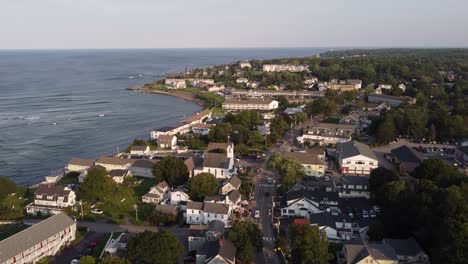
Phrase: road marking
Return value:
(268, 238)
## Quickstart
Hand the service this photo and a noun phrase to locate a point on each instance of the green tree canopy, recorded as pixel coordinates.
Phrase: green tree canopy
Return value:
(87, 260)
(97, 186)
(220, 132)
(7, 186)
(309, 245)
(439, 172)
(155, 248)
(247, 238)
(203, 184)
(172, 170)
(114, 260)
(321, 106)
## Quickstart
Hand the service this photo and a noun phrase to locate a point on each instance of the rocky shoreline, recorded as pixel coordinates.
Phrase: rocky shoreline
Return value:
(186, 95)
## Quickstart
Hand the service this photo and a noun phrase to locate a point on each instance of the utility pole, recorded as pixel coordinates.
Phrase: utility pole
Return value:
(81, 205)
(136, 212)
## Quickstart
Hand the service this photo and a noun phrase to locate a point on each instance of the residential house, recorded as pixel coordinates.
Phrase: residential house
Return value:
(216, 211)
(79, 165)
(310, 80)
(245, 64)
(231, 184)
(198, 118)
(190, 163)
(198, 82)
(177, 196)
(167, 209)
(382, 87)
(175, 83)
(167, 141)
(199, 234)
(51, 199)
(173, 130)
(217, 252)
(252, 85)
(313, 161)
(232, 104)
(407, 251)
(407, 159)
(139, 150)
(285, 67)
(156, 194)
(43, 239)
(337, 227)
(202, 129)
(143, 168)
(390, 99)
(294, 110)
(356, 158)
(194, 213)
(357, 252)
(214, 87)
(327, 133)
(352, 118)
(218, 160)
(84, 174)
(346, 85)
(242, 80)
(402, 86)
(119, 175)
(112, 163)
(234, 199)
(354, 187)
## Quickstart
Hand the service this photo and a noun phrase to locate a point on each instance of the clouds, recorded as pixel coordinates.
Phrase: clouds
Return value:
(228, 23)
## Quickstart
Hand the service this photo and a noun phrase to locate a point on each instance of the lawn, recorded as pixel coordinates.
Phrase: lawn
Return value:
(13, 206)
(68, 180)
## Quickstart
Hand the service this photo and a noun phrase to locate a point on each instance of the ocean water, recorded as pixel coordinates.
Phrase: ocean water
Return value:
(55, 105)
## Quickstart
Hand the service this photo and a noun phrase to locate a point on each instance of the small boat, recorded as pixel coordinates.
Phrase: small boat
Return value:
(54, 124)
(101, 115)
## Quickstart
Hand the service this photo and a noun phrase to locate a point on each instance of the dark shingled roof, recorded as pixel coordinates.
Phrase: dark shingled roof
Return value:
(234, 195)
(355, 180)
(404, 247)
(353, 148)
(166, 209)
(235, 181)
(406, 154)
(306, 157)
(113, 161)
(53, 190)
(216, 208)
(33, 235)
(216, 160)
(138, 148)
(194, 205)
(81, 162)
(143, 163)
(118, 173)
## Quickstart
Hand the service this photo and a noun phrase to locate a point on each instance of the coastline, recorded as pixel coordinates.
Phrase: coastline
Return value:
(179, 94)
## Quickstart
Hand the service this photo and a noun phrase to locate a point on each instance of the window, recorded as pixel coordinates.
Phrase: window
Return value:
(208, 215)
(371, 163)
(291, 211)
(284, 211)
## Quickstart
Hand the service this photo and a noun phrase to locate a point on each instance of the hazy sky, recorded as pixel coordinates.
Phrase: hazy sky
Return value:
(42, 24)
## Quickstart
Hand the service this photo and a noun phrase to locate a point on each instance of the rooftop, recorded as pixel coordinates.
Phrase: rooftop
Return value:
(113, 161)
(307, 157)
(216, 208)
(216, 160)
(81, 162)
(353, 148)
(248, 101)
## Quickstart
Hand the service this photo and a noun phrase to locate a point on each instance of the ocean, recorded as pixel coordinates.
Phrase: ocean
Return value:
(59, 104)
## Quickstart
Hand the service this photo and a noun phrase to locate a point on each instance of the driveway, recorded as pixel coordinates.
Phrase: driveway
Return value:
(74, 251)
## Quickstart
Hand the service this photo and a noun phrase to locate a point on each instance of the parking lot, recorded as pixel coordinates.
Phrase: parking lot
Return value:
(80, 249)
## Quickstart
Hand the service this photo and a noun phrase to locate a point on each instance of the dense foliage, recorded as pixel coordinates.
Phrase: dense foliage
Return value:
(433, 208)
(97, 186)
(247, 238)
(290, 170)
(172, 170)
(201, 185)
(114, 260)
(309, 245)
(155, 248)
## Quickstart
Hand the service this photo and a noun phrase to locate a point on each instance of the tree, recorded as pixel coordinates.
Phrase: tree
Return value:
(309, 245)
(172, 170)
(378, 178)
(220, 132)
(299, 117)
(158, 248)
(376, 231)
(386, 131)
(203, 184)
(321, 106)
(97, 186)
(114, 260)
(7, 186)
(247, 238)
(87, 260)
(439, 172)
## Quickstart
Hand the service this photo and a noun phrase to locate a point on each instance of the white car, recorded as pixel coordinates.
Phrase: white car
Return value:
(257, 214)
(75, 261)
(372, 214)
(97, 211)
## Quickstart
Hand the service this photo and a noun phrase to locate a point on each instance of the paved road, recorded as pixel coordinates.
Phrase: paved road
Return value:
(106, 227)
(73, 252)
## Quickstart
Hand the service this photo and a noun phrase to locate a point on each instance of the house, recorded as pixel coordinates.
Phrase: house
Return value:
(354, 187)
(233, 183)
(402, 86)
(352, 118)
(337, 227)
(168, 209)
(175, 83)
(202, 129)
(221, 165)
(119, 175)
(214, 87)
(199, 234)
(156, 194)
(245, 64)
(232, 104)
(407, 251)
(198, 118)
(461, 155)
(252, 85)
(198, 82)
(43, 239)
(313, 161)
(194, 213)
(234, 199)
(167, 141)
(190, 163)
(390, 99)
(118, 246)
(79, 165)
(382, 87)
(310, 80)
(177, 196)
(55, 176)
(51, 199)
(143, 168)
(216, 211)
(285, 67)
(217, 252)
(139, 150)
(172, 130)
(407, 159)
(356, 158)
(327, 133)
(346, 85)
(357, 252)
(112, 163)
(242, 80)
(294, 110)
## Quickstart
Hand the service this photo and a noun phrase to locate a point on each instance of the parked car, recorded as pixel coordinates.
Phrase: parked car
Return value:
(376, 209)
(75, 261)
(350, 212)
(257, 214)
(97, 211)
(372, 214)
(365, 214)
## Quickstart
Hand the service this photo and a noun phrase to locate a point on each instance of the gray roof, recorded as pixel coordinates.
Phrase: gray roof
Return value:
(49, 189)
(81, 162)
(405, 247)
(216, 226)
(138, 148)
(407, 154)
(235, 181)
(216, 160)
(355, 180)
(143, 163)
(118, 173)
(33, 235)
(227, 250)
(234, 195)
(166, 208)
(216, 208)
(194, 205)
(353, 148)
